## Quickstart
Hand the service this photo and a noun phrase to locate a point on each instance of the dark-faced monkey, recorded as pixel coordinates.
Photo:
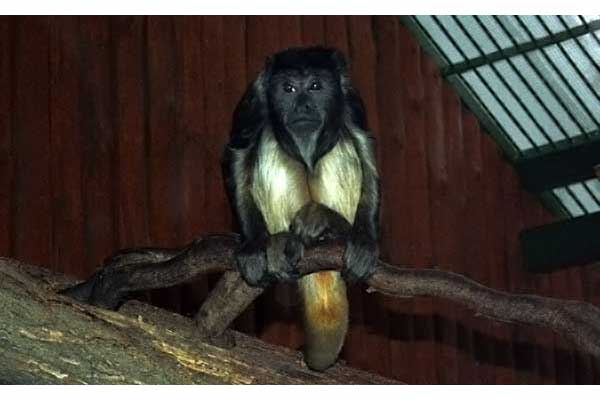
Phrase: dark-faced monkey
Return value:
(300, 168)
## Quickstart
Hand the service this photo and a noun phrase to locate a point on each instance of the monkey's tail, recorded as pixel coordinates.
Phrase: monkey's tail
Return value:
(325, 317)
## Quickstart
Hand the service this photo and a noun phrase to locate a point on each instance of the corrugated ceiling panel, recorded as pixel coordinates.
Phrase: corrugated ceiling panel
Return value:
(541, 85)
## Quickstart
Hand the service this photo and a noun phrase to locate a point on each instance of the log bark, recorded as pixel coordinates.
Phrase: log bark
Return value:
(49, 338)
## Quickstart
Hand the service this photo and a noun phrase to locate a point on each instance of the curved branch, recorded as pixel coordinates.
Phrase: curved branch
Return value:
(133, 270)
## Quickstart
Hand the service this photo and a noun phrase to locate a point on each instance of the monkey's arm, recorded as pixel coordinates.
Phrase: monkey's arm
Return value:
(262, 258)
(362, 249)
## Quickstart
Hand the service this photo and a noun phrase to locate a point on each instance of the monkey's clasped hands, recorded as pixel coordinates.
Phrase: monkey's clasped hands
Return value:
(274, 258)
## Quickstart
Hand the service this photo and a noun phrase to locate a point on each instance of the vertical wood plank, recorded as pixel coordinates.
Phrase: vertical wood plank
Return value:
(290, 31)
(163, 139)
(217, 123)
(446, 238)
(543, 346)
(363, 61)
(6, 156)
(313, 30)
(31, 188)
(473, 242)
(260, 43)
(367, 314)
(130, 103)
(66, 137)
(191, 126)
(496, 257)
(417, 222)
(97, 126)
(165, 144)
(336, 33)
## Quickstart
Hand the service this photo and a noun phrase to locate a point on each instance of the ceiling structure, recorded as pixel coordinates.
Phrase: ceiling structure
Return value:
(534, 83)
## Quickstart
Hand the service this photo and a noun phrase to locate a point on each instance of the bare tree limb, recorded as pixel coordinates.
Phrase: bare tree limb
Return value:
(151, 268)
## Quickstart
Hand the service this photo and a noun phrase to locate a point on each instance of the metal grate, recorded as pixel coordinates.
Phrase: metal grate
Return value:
(533, 81)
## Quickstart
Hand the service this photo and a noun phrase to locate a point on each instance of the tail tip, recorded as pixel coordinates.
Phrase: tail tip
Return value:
(320, 362)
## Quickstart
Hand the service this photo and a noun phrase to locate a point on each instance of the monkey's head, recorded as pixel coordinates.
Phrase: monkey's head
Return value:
(305, 90)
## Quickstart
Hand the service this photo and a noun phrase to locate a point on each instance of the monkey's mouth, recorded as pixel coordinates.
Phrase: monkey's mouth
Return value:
(305, 124)
(305, 120)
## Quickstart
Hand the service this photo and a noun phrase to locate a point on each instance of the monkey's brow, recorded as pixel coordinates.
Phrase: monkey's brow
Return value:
(299, 75)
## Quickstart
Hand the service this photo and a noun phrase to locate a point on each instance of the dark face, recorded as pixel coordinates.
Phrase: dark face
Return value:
(306, 112)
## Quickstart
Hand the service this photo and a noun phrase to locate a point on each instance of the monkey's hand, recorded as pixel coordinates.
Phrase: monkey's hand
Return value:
(360, 257)
(315, 222)
(267, 259)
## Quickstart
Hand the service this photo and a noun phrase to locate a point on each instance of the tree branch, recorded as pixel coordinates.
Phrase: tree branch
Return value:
(152, 268)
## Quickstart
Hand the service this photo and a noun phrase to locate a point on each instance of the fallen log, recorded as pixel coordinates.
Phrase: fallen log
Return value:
(50, 338)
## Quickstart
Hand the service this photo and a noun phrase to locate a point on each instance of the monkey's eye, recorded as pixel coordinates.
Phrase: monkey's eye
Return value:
(289, 88)
(316, 85)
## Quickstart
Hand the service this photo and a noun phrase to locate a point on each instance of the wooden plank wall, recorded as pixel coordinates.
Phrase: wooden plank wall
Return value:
(111, 131)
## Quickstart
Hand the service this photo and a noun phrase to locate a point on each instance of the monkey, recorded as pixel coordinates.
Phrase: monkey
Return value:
(299, 169)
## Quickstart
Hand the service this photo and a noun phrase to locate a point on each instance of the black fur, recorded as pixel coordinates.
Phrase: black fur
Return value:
(308, 116)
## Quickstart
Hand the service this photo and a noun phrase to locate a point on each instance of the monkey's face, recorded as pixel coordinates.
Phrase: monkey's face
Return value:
(305, 109)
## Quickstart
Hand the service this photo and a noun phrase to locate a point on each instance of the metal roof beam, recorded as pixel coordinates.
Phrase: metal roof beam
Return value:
(508, 52)
(560, 166)
(562, 244)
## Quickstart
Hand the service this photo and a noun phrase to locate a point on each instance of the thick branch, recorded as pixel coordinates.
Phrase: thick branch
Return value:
(153, 268)
(47, 338)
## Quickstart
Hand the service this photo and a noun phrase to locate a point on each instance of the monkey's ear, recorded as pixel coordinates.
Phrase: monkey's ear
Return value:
(340, 62)
(250, 115)
(356, 108)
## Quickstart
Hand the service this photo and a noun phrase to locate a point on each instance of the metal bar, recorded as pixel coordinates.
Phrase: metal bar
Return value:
(485, 83)
(525, 81)
(591, 193)
(576, 200)
(581, 48)
(469, 96)
(518, 49)
(562, 244)
(555, 168)
(505, 83)
(592, 33)
(568, 57)
(554, 204)
(559, 73)
(541, 76)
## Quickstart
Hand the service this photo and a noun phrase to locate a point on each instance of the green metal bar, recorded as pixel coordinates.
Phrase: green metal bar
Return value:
(560, 74)
(568, 163)
(516, 50)
(576, 200)
(526, 82)
(584, 51)
(508, 86)
(542, 77)
(573, 64)
(514, 120)
(592, 194)
(562, 244)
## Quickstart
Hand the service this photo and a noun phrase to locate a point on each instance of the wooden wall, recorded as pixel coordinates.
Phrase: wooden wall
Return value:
(111, 131)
